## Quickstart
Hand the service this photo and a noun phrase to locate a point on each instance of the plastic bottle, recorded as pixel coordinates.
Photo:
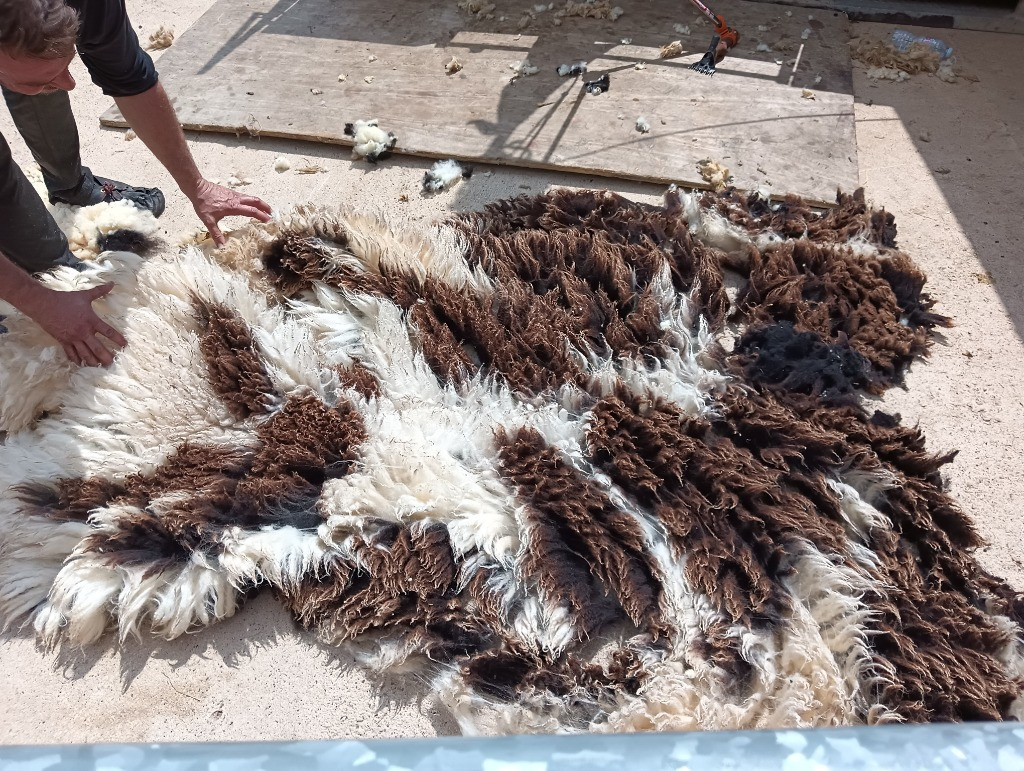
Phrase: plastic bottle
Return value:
(902, 40)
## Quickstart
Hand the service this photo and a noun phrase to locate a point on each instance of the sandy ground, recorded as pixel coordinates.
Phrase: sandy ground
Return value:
(948, 160)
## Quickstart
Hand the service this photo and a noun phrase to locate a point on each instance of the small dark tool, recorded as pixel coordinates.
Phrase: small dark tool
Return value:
(724, 39)
(598, 86)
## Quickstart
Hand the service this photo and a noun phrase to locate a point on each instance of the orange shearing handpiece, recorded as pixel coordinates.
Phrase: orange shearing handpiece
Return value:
(725, 38)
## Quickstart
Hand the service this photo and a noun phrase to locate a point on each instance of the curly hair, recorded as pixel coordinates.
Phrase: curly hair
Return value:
(42, 29)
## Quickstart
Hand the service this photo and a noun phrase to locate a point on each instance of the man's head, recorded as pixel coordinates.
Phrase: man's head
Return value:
(37, 42)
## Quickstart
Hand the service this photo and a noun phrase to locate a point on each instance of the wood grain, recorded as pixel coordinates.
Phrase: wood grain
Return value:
(255, 68)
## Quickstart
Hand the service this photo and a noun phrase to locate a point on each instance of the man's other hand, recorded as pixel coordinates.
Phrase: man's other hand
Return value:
(72, 322)
(213, 203)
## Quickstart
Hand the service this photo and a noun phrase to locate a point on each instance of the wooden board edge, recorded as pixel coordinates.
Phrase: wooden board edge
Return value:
(113, 119)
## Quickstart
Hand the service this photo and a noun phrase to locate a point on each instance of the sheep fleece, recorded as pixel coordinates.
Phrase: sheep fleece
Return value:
(579, 463)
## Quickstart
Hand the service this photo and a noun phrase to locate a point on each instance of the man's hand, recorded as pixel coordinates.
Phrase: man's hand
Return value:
(152, 116)
(214, 202)
(71, 321)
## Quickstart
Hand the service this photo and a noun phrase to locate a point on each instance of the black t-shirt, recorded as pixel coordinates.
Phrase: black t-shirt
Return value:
(110, 48)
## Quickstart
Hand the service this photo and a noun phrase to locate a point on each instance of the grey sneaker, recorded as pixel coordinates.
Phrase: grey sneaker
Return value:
(95, 190)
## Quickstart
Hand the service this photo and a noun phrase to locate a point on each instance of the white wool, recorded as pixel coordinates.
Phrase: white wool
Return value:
(292, 357)
(711, 227)
(804, 678)
(369, 140)
(280, 556)
(887, 73)
(643, 125)
(442, 175)
(87, 594)
(860, 517)
(523, 67)
(84, 224)
(37, 374)
(446, 261)
(576, 69)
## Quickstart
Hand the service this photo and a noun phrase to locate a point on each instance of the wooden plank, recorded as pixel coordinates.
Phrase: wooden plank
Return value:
(256, 67)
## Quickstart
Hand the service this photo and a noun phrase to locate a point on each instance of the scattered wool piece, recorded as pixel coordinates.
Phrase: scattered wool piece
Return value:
(640, 66)
(763, 48)
(369, 140)
(195, 238)
(161, 39)
(817, 79)
(601, 9)
(453, 66)
(789, 13)
(342, 77)
(443, 174)
(598, 86)
(523, 68)
(282, 165)
(806, 34)
(129, 135)
(368, 79)
(714, 173)
(925, 136)
(372, 59)
(671, 50)
(887, 73)
(574, 70)
(681, 29)
(310, 168)
(477, 7)
(238, 179)
(626, 41)
(807, 94)
(945, 72)
(316, 91)
(540, 8)
(642, 125)
(881, 54)
(762, 28)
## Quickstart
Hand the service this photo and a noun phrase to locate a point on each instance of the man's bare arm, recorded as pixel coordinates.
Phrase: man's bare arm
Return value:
(152, 117)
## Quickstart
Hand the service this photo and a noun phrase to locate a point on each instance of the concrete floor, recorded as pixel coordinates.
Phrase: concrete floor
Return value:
(256, 678)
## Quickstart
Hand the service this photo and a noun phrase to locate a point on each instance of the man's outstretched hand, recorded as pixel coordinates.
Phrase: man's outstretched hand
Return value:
(213, 203)
(72, 322)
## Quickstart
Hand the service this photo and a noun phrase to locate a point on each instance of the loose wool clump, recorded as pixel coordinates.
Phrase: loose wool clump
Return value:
(515, 453)
(370, 141)
(443, 174)
(88, 227)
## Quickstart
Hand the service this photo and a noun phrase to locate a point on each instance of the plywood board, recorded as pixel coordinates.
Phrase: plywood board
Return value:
(272, 67)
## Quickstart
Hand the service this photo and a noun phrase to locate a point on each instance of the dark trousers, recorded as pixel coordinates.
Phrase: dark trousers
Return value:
(28, 235)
